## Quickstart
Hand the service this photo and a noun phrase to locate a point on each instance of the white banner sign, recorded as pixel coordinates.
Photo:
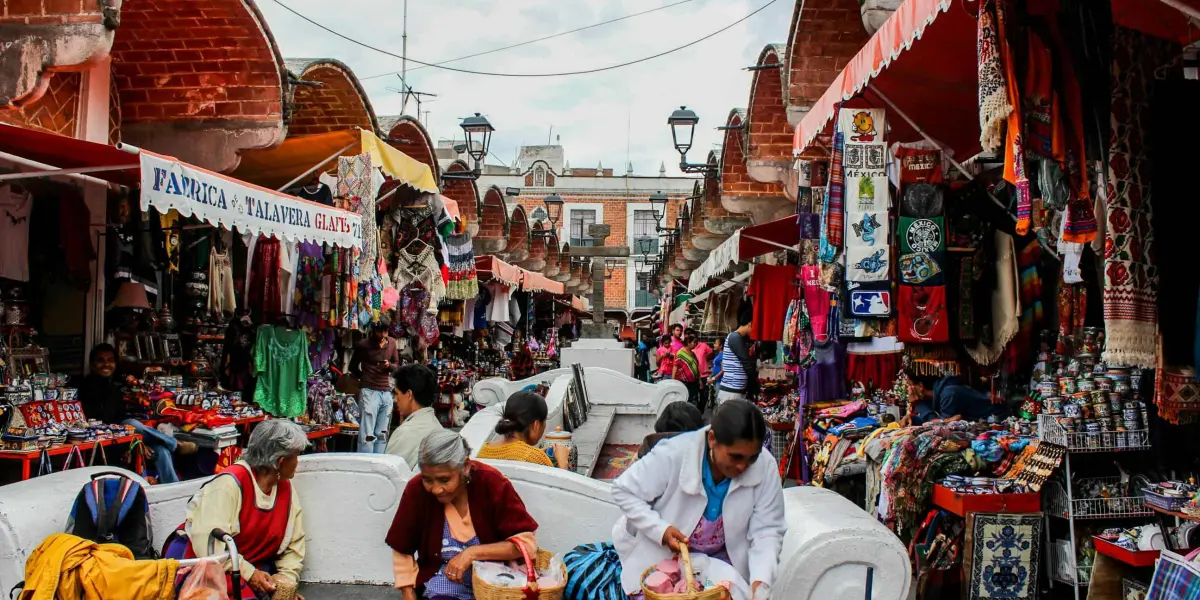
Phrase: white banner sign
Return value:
(233, 204)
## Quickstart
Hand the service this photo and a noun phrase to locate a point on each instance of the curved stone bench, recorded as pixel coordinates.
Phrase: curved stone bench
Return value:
(349, 501)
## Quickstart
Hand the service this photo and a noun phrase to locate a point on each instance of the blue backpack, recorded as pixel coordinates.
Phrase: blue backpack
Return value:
(593, 573)
(112, 509)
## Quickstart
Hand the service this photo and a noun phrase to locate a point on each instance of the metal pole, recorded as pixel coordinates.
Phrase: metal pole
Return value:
(37, 165)
(315, 167)
(71, 171)
(404, 60)
(956, 164)
(1073, 564)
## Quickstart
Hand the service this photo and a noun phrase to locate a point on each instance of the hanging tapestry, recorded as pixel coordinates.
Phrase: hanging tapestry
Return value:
(1002, 553)
(358, 182)
(924, 317)
(1130, 276)
(994, 106)
(867, 264)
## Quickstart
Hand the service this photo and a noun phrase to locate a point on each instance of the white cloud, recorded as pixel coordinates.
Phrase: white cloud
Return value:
(592, 113)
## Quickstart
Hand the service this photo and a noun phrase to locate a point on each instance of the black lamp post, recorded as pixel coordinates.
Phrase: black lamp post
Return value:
(554, 208)
(683, 131)
(479, 137)
(658, 202)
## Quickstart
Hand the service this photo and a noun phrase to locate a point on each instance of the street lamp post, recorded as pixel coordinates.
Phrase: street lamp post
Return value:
(683, 131)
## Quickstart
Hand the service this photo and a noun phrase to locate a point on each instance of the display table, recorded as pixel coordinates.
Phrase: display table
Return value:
(28, 457)
(1172, 513)
(961, 504)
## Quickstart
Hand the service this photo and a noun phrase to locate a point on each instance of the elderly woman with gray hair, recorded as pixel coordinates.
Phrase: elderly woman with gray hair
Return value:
(454, 512)
(253, 501)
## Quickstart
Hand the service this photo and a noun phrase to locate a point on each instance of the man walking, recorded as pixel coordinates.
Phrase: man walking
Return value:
(372, 362)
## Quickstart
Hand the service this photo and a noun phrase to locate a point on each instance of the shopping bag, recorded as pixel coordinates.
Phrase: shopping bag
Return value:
(204, 581)
(98, 449)
(74, 456)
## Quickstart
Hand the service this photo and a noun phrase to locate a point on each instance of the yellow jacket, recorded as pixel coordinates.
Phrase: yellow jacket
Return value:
(65, 567)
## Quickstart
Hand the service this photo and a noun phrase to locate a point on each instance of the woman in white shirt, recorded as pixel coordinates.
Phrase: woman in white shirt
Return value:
(713, 490)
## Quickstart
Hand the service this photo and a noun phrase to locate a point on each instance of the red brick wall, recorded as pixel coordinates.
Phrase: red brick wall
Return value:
(735, 180)
(770, 134)
(56, 111)
(824, 38)
(49, 12)
(181, 60)
(518, 230)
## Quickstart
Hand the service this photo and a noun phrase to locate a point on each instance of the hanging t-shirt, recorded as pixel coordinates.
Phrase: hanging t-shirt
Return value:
(282, 366)
(14, 233)
(498, 310)
(923, 315)
(773, 288)
(319, 193)
(816, 300)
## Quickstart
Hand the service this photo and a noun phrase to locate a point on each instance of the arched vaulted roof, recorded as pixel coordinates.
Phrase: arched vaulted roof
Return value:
(408, 135)
(198, 81)
(338, 103)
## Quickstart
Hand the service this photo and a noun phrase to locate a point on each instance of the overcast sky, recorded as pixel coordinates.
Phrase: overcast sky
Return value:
(592, 113)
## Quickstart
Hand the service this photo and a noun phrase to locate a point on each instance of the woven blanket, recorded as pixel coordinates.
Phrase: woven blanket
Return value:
(1130, 276)
(1002, 556)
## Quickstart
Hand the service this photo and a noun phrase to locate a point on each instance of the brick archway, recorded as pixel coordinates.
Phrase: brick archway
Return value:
(824, 35)
(493, 227)
(338, 103)
(690, 224)
(200, 80)
(769, 155)
(537, 259)
(465, 193)
(717, 219)
(517, 248)
(564, 264)
(739, 192)
(409, 136)
(552, 254)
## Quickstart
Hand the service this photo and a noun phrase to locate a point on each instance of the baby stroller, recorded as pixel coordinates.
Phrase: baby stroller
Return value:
(19, 592)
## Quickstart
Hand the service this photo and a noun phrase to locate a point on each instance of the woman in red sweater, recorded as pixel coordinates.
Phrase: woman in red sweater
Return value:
(454, 512)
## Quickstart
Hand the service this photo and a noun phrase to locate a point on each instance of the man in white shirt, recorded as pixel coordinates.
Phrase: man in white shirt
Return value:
(415, 390)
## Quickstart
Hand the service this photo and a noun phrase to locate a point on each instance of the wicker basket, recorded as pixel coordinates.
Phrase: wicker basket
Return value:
(685, 565)
(487, 591)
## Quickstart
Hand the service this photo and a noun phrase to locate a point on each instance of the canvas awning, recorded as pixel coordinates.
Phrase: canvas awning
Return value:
(69, 155)
(170, 184)
(745, 244)
(490, 267)
(922, 63)
(281, 165)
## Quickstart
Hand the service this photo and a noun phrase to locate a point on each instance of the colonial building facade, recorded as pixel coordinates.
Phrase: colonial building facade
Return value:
(591, 196)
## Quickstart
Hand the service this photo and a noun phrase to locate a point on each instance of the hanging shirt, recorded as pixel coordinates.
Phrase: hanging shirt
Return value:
(498, 310)
(282, 366)
(773, 289)
(14, 233)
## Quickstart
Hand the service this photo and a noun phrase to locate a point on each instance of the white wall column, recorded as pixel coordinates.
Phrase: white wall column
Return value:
(93, 126)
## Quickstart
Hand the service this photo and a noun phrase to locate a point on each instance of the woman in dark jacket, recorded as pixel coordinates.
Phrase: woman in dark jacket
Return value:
(455, 512)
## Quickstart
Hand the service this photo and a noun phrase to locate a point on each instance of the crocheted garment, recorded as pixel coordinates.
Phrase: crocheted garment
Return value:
(994, 107)
(464, 281)
(420, 268)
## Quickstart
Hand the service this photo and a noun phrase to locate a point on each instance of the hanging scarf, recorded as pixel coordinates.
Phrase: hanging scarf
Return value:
(832, 213)
(1006, 304)
(1130, 277)
(994, 108)
(1014, 145)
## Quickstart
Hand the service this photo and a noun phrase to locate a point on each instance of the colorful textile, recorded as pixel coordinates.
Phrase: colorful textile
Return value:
(772, 287)
(1002, 555)
(924, 317)
(1014, 144)
(1006, 304)
(869, 229)
(1130, 276)
(687, 368)
(709, 537)
(356, 187)
(867, 264)
(1174, 579)
(593, 573)
(464, 282)
(994, 106)
(833, 210)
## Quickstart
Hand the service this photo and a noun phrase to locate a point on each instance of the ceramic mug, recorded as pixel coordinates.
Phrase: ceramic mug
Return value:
(1072, 410)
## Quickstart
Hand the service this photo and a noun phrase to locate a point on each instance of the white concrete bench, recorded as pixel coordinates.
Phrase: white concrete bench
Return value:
(349, 501)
